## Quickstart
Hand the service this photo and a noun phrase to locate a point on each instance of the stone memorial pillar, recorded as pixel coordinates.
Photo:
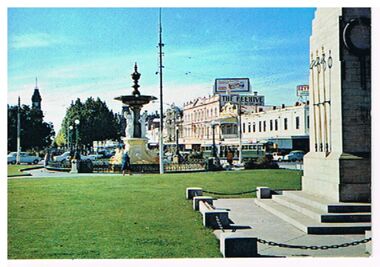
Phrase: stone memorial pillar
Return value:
(338, 166)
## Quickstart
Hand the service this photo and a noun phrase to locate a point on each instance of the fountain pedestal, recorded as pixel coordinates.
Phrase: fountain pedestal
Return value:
(138, 152)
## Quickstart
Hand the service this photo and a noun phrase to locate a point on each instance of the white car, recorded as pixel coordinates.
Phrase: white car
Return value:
(62, 157)
(91, 157)
(24, 158)
(66, 156)
(277, 156)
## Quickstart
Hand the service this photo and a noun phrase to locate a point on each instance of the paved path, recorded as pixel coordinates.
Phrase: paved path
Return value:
(43, 173)
(269, 227)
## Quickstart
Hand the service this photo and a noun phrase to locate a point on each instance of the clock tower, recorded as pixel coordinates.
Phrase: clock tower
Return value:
(36, 98)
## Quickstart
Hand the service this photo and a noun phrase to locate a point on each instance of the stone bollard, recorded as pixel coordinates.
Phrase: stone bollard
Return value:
(237, 245)
(263, 192)
(193, 192)
(74, 166)
(368, 245)
(196, 200)
(209, 218)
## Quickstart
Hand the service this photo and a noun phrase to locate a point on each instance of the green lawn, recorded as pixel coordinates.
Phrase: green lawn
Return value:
(139, 216)
(15, 169)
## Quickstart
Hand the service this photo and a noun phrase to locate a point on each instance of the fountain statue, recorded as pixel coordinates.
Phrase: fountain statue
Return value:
(135, 132)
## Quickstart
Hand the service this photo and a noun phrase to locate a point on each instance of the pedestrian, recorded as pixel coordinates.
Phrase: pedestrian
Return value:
(126, 164)
(230, 157)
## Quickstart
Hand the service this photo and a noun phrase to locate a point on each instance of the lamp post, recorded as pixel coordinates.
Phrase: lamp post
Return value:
(77, 139)
(213, 124)
(18, 132)
(70, 140)
(176, 139)
(240, 133)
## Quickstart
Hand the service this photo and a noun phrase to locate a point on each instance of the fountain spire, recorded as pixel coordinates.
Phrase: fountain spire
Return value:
(135, 77)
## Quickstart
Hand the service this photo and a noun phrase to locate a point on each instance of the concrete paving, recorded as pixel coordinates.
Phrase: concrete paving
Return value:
(265, 225)
(43, 173)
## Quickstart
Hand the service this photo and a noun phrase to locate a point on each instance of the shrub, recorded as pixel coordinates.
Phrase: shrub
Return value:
(260, 163)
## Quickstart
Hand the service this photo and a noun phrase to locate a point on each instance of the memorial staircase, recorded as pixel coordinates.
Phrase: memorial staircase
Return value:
(314, 215)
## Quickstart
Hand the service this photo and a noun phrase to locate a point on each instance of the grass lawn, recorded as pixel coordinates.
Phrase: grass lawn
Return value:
(139, 216)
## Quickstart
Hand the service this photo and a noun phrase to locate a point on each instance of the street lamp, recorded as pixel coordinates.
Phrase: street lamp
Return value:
(176, 139)
(213, 124)
(77, 139)
(70, 140)
(240, 133)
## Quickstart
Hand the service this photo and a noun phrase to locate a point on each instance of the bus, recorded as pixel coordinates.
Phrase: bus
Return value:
(249, 151)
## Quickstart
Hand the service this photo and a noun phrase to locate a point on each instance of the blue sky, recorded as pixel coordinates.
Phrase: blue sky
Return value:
(91, 52)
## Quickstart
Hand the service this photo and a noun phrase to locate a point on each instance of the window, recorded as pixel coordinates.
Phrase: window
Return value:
(254, 127)
(270, 125)
(297, 122)
(249, 127)
(285, 123)
(275, 125)
(259, 126)
(243, 127)
(264, 126)
(307, 122)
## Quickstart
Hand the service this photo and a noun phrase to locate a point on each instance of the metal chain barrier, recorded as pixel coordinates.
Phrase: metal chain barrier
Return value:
(219, 223)
(344, 245)
(230, 194)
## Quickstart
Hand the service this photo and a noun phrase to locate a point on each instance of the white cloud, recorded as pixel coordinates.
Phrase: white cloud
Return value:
(33, 40)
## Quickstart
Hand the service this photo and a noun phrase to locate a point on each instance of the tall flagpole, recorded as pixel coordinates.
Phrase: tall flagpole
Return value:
(161, 45)
(18, 132)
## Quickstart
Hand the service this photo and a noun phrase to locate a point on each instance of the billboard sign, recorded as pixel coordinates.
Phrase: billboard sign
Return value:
(244, 100)
(231, 86)
(303, 90)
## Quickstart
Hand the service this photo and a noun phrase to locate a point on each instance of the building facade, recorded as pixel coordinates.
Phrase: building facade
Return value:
(220, 112)
(286, 127)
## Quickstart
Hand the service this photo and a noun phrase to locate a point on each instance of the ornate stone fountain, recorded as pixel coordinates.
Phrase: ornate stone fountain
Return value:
(135, 140)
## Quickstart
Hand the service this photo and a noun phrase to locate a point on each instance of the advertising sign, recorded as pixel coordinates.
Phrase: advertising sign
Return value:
(231, 85)
(303, 90)
(244, 100)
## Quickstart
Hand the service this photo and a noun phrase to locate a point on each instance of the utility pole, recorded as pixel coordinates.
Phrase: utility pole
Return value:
(240, 133)
(18, 132)
(161, 45)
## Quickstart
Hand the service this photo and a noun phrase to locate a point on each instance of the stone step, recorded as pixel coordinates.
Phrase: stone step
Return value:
(309, 225)
(327, 206)
(319, 214)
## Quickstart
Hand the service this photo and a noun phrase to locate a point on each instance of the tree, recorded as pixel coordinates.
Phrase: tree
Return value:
(96, 122)
(60, 140)
(35, 133)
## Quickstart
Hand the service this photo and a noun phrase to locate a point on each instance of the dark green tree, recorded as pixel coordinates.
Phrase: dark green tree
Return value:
(96, 122)
(35, 133)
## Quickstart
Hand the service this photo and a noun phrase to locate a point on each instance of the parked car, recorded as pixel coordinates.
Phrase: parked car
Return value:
(277, 156)
(91, 157)
(24, 158)
(62, 157)
(294, 155)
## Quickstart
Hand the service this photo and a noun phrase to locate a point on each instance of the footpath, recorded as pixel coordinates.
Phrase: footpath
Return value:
(267, 226)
